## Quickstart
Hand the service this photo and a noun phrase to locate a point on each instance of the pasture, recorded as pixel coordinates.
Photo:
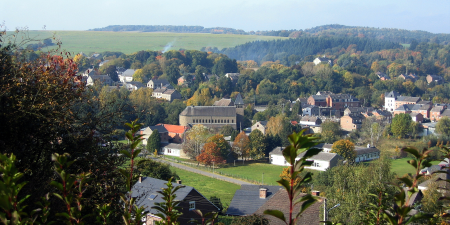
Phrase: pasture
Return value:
(130, 42)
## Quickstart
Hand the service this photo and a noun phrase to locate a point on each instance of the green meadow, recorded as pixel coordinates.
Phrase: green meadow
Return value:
(129, 42)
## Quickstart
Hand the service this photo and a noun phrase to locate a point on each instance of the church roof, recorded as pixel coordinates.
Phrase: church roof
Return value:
(209, 111)
(239, 100)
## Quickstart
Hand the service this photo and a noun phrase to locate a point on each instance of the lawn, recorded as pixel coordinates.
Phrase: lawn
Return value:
(208, 186)
(401, 166)
(254, 172)
(129, 42)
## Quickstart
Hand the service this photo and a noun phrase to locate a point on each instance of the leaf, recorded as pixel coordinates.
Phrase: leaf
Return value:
(311, 152)
(412, 151)
(406, 180)
(276, 213)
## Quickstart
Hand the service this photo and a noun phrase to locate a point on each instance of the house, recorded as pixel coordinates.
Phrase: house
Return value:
(382, 115)
(249, 198)
(280, 202)
(440, 178)
(389, 101)
(411, 77)
(261, 126)
(319, 60)
(435, 112)
(310, 121)
(317, 100)
(403, 109)
(352, 121)
(90, 72)
(127, 75)
(406, 100)
(210, 77)
(103, 63)
(176, 132)
(341, 101)
(416, 117)
(133, 85)
(382, 76)
(159, 83)
(167, 94)
(146, 132)
(322, 161)
(435, 78)
(173, 149)
(102, 79)
(214, 116)
(368, 153)
(146, 193)
(310, 110)
(423, 109)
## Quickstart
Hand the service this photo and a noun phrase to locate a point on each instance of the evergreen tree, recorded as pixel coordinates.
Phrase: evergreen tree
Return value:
(154, 142)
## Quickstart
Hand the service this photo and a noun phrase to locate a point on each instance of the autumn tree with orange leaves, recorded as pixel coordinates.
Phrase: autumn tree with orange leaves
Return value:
(241, 145)
(210, 153)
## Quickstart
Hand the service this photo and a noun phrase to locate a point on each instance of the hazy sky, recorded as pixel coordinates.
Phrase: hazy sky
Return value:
(432, 16)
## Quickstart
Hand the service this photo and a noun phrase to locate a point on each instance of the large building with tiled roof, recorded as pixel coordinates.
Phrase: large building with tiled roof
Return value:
(214, 116)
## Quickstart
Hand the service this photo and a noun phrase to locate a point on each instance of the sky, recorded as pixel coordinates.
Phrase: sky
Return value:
(249, 15)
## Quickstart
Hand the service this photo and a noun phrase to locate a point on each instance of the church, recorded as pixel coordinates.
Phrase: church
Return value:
(215, 116)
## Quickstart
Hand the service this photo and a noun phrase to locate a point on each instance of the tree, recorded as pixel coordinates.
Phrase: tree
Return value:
(158, 170)
(401, 125)
(154, 142)
(221, 144)
(344, 148)
(111, 71)
(253, 219)
(226, 130)
(241, 145)
(195, 138)
(331, 131)
(210, 153)
(234, 134)
(372, 129)
(275, 125)
(443, 126)
(257, 144)
(296, 110)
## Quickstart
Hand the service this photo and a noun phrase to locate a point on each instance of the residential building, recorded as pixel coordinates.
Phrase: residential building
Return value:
(383, 115)
(311, 216)
(319, 60)
(352, 121)
(167, 94)
(133, 85)
(406, 100)
(261, 126)
(159, 83)
(310, 110)
(173, 149)
(146, 193)
(382, 76)
(317, 100)
(127, 75)
(341, 101)
(389, 101)
(435, 78)
(249, 198)
(416, 117)
(435, 112)
(176, 132)
(403, 109)
(147, 132)
(411, 77)
(440, 179)
(322, 161)
(368, 153)
(102, 79)
(310, 121)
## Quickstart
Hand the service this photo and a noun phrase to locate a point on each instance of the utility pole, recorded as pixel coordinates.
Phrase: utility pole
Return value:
(325, 209)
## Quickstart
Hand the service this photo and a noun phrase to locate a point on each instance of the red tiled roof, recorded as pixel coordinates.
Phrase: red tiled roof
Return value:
(175, 128)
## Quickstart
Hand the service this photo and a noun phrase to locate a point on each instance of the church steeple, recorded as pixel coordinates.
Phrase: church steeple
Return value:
(239, 101)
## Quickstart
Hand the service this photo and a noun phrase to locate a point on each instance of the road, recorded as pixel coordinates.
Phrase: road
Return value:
(205, 173)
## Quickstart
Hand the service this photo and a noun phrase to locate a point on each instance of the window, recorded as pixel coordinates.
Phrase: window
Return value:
(191, 205)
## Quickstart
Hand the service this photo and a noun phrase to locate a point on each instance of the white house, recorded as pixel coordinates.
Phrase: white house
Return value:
(389, 101)
(173, 149)
(366, 154)
(322, 161)
(127, 75)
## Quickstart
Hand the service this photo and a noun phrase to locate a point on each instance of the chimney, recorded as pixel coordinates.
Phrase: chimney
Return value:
(140, 178)
(178, 181)
(315, 193)
(262, 193)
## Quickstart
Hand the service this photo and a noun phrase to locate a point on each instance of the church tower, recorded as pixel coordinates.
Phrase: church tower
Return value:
(239, 104)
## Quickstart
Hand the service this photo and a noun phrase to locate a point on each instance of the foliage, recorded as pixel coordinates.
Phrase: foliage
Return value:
(331, 131)
(154, 141)
(254, 219)
(443, 126)
(210, 153)
(158, 170)
(299, 144)
(222, 145)
(257, 143)
(196, 137)
(168, 210)
(401, 125)
(226, 130)
(344, 148)
(241, 145)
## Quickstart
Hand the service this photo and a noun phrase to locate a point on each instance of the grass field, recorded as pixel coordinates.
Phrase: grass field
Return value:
(208, 186)
(129, 42)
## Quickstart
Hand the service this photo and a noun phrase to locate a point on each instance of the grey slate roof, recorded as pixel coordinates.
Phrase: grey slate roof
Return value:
(173, 145)
(363, 150)
(128, 73)
(224, 102)
(392, 94)
(209, 111)
(142, 191)
(405, 107)
(161, 129)
(408, 99)
(246, 200)
(238, 100)
(137, 84)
